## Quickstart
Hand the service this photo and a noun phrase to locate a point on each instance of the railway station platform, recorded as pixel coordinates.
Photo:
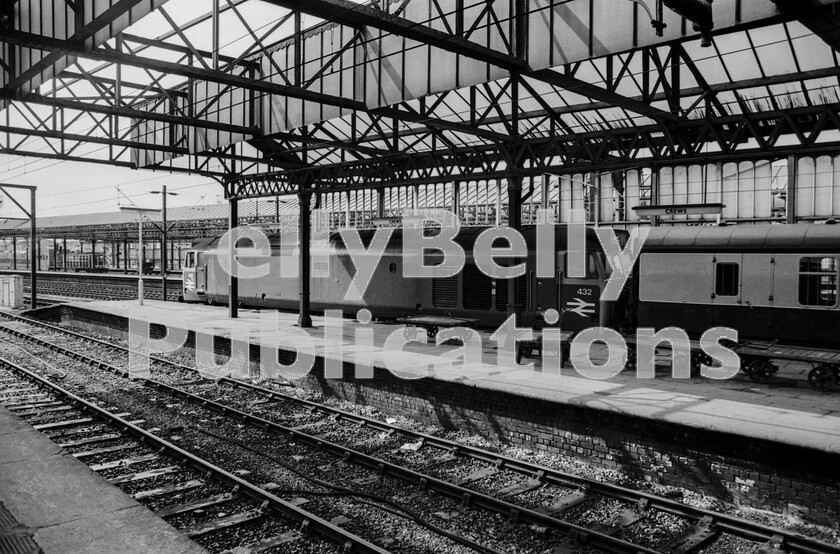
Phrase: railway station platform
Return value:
(757, 442)
(51, 503)
(794, 415)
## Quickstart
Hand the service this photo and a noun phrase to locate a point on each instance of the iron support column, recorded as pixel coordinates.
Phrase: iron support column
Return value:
(304, 236)
(14, 253)
(163, 257)
(125, 255)
(654, 193)
(514, 308)
(790, 195)
(233, 282)
(33, 279)
(215, 34)
(456, 199)
(140, 259)
(64, 252)
(55, 255)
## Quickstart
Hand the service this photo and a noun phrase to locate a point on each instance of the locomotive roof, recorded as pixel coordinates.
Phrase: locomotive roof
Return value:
(777, 238)
(467, 236)
(204, 242)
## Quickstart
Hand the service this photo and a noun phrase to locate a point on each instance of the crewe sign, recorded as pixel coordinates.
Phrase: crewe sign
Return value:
(679, 209)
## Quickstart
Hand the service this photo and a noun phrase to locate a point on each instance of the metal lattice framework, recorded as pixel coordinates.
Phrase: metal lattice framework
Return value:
(330, 95)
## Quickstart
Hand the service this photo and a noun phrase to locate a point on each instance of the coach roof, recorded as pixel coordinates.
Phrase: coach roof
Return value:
(746, 238)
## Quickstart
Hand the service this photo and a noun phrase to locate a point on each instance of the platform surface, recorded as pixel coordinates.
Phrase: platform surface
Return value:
(49, 497)
(786, 410)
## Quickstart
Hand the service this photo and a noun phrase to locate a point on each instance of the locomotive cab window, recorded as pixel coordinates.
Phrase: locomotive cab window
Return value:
(726, 279)
(190, 261)
(818, 281)
(591, 267)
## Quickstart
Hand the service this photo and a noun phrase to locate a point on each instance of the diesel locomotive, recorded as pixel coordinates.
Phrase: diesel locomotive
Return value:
(469, 295)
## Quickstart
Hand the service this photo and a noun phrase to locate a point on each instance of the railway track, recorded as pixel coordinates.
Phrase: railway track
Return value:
(102, 287)
(158, 473)
(526, 495)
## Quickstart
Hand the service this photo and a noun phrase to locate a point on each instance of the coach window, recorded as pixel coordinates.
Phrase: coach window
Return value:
(726, 279)
(818, 281)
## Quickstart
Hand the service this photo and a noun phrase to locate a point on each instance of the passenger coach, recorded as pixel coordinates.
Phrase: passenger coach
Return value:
(770, 282)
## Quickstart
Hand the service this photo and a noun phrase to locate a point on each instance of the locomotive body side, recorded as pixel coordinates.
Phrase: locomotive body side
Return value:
(469, 294)
(770, 282)
(194, 270)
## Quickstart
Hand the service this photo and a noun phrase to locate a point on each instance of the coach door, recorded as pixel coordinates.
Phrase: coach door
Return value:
(726, 290)
(757, 274)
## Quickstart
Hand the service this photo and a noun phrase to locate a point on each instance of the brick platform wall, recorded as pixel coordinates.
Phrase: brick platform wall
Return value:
(759, 473)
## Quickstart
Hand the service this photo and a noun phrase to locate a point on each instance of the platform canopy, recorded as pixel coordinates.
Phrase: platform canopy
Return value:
(183, 223)
(275, 96)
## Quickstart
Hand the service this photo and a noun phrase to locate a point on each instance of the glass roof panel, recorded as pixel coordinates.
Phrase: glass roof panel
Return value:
(773, 51)
(811, 51)
(789, 95)
(738, 57)
(707, 62)
(823, 91)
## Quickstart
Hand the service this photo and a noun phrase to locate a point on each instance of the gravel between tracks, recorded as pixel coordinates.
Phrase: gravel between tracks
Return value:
(649, 531)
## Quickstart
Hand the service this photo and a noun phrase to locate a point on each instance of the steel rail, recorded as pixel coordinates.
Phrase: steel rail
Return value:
(730, 524)
(308, 521)
(382, 467)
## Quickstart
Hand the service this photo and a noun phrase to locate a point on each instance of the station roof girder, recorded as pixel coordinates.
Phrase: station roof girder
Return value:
(514, 89)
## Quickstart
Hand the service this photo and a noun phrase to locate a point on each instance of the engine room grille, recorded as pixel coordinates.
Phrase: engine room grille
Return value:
(502, 293)
(477, 289)
(445, 292)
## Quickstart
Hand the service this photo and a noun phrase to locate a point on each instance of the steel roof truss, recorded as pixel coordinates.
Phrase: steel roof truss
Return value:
(196, 54)
(41, 124)
(109, 54)
(145, 43)
(356, 15)
(70, 75)
(82, 34)
(155, 81)
(823, 21)
(109, 96)
(660, 147)
(133, 113)
(258, 41)
(353, 41)
(435, 132)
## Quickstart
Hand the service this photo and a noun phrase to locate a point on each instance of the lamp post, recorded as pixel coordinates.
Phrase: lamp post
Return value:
(163, 256)
(139, 212)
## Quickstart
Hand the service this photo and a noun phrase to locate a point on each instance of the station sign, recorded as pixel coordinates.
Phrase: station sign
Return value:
(395, 221)
(679, 209)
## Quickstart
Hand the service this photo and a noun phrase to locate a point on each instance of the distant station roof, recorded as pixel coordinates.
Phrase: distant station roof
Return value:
(183, 223)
